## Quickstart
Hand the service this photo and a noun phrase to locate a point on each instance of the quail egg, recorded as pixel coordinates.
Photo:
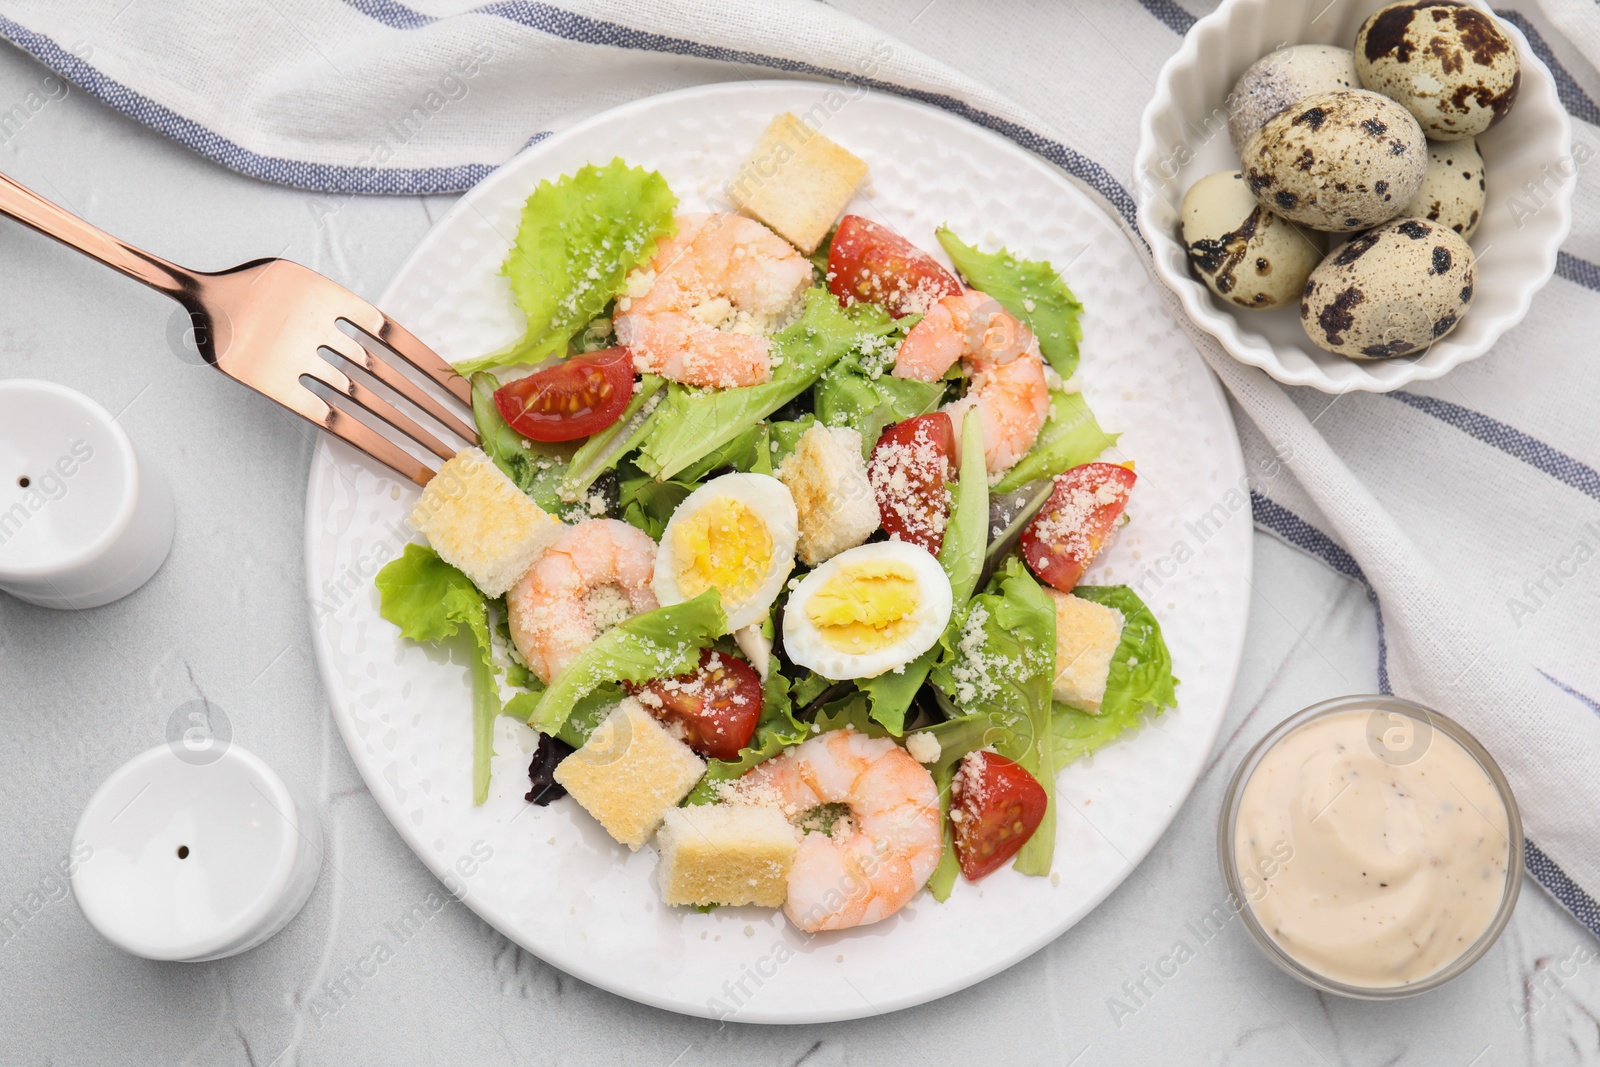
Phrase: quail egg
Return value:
(867, 610)
(736, 533)
(1391, 291)
(1243, 252)
(1285, 77)
(1453, 190)
(1345, 160)
(1448, 64)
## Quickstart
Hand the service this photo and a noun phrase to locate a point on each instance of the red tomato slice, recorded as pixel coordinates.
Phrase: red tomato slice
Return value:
(717, 706)
(995, 806)
(910, 467)
(1074, 523)
(872, 263)
(575, 398)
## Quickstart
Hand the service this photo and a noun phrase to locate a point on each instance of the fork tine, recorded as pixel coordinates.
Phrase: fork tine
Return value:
(336, 379)
(410, 348)
(388, 375)
(320, 413)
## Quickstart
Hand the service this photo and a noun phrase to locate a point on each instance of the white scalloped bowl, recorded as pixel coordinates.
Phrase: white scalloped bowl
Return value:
(1183, 136)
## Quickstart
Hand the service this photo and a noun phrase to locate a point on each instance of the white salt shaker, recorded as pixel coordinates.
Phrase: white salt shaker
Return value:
(192, 853)
(84, 518)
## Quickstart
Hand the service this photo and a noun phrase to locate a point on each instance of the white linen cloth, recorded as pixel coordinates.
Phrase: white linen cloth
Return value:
(1470, 506)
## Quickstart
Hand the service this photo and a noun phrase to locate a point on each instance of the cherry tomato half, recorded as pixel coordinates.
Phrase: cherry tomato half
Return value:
(910, 467)
(575, 398)
(995, 806)
(872, 263)
(1074, 523)
(717, 706)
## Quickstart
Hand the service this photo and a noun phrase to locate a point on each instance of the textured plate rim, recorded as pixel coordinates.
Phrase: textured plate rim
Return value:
(1228, 453)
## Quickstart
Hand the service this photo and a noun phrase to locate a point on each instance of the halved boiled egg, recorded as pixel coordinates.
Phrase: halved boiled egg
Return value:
(867, 610)
(736, 533)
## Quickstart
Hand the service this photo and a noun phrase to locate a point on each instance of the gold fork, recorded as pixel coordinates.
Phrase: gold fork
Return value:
(263, 323)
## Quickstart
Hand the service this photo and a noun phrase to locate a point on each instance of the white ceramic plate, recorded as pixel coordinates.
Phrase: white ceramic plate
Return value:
(1183, 136)
(550, 878)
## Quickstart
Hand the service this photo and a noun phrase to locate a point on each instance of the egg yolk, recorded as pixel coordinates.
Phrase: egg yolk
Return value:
(866, 606)
(723, 544)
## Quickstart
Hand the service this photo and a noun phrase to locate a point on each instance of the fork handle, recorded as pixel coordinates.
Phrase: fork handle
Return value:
(28, 207)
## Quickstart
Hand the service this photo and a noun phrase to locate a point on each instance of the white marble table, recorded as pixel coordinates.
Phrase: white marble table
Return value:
(227, 619)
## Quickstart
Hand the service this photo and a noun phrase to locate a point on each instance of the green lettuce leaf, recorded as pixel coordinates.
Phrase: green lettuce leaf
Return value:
(1002, 664)
(692, 423)
(602, 451)
(431, 601)
(578, 240)
(538, 468)
(961, 555)
(860, 392)
(750, 452)
(783, 436)
(1140, 680)
(1029, 289)
(648, 504)
(1069, 439)
(656, 644)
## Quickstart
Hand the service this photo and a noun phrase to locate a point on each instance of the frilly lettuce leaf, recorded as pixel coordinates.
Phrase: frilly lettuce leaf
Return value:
(655, 644)
(860, 392)
(578, 239)
(431, 601)
(1069, 439)
(692, 423)
(1140, 680)
(1029, 289)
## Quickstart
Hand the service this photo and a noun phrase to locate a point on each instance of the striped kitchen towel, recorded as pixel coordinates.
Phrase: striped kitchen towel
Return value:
(1468, 506)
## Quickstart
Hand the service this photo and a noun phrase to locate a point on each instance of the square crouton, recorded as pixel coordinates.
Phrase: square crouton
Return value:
(828, 479)
(796, 181)
(726, 854)
(481, 523)
(630, 773)
(1087, 634)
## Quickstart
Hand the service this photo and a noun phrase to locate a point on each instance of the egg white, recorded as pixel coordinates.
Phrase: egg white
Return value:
(766, 497)
(806, 647)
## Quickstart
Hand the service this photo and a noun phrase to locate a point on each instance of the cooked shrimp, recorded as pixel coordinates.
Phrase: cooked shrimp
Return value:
(970, 326)
(595, 575)
(701, 312)
(1001, 357)
(876, 857)
(1013, 401)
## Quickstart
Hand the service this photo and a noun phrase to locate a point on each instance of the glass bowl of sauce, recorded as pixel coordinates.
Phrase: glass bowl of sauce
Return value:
(1372, 847)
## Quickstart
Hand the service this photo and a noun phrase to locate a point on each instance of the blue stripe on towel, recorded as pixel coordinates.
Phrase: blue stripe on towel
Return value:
(1508, 439)
(319, 177)
(1567, 892)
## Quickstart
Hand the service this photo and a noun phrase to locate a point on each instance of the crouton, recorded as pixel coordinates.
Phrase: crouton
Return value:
(1087, 635)
(725, 854)
(828, 479)
(797, 182)
(630, 773)
(481, 523)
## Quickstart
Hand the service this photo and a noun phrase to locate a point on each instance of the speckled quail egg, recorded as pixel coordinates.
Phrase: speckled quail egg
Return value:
(1285, 77)
(1391, 291)
(868, 610)
(1453, 190)
(1243, 252)
(1345, 160)
(736, 533)
(1448, 64)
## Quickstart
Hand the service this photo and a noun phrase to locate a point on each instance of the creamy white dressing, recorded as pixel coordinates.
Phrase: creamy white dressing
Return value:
(1368, 863)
